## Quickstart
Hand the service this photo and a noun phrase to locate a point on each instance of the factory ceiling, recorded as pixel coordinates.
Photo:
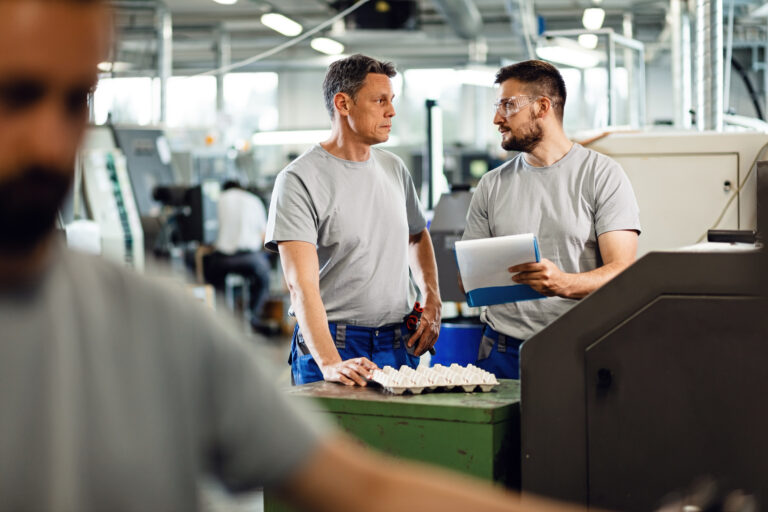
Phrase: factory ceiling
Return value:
(438, 33)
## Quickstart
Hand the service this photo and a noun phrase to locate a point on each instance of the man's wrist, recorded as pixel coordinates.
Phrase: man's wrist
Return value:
(324, 364)
(568, 290)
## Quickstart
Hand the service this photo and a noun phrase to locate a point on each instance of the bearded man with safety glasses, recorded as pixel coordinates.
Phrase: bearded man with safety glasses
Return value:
(578, 203)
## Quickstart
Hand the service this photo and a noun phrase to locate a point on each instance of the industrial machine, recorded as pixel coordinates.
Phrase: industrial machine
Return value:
(446, 229)
(148, 157)
(653, 381)
(191, 212)
(111, 204)
(684, 181)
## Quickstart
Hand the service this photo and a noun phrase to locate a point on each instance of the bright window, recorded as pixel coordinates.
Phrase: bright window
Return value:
(191, 101)
(128, 100)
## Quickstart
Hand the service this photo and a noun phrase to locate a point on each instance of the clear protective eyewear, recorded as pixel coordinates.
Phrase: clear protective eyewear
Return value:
(507, 107)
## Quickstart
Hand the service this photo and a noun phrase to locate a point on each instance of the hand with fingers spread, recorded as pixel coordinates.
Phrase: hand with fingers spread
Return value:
(351, 372)
(544, 277)
(428, 329)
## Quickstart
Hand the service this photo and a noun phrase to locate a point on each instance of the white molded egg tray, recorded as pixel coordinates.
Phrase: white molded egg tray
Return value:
(455, 377)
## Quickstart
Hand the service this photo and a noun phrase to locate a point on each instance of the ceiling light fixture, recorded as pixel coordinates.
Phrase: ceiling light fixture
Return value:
(225, 2)
(588, 41)
(282, 24)
(327, 46)
(593, 18)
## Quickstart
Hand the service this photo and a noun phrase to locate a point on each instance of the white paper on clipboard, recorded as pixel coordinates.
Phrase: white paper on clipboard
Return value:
(484, 264)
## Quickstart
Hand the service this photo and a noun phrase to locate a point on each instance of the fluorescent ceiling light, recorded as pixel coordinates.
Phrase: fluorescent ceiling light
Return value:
(282, 24)
(588, 41)
(593, 18)
(225, 2)
(567, 52)
(760, 12)
(327, 46)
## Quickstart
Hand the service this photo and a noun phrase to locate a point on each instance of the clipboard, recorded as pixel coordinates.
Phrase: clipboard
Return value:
(483, 265)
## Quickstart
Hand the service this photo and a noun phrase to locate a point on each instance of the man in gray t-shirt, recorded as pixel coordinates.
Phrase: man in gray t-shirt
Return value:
(348, 225)
(578, 203)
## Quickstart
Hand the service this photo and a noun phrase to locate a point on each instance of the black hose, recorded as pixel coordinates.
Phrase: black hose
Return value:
(748, 83)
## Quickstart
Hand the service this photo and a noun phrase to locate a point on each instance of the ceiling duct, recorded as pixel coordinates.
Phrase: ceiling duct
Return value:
(709, 65)
(382, 14)
(462, 16)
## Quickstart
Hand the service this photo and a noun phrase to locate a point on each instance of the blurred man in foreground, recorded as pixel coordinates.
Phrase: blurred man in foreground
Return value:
(116, 393)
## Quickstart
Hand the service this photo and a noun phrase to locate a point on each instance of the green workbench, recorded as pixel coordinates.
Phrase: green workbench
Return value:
(474, 433)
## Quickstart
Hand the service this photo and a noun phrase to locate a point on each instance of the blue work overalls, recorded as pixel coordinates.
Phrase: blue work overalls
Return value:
(499, 354)
(385, 346)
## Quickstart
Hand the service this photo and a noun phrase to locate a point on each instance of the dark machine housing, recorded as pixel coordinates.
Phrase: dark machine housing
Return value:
(653, 381)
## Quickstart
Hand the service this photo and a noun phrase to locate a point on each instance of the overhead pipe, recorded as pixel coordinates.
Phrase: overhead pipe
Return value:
(462, 16)
(680, 30)
(223, 60)
(709, 65)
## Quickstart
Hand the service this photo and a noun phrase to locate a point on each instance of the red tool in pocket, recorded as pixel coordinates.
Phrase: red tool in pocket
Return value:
(412, 320)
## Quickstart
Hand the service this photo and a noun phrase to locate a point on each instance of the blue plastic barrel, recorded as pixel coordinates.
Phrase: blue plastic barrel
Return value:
(458, 343)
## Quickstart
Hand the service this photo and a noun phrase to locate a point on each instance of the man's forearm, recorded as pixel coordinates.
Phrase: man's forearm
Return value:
(584, 283)
(422, 262)
(310, 313)
(341, 476)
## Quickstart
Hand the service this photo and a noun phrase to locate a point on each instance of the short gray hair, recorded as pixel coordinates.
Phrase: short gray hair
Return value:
(348, 75)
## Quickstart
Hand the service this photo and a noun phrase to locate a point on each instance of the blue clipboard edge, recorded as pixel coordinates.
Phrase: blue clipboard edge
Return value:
(501, 295)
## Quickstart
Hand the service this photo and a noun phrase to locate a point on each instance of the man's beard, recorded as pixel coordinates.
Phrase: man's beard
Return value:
(526, 142)
(29, 203)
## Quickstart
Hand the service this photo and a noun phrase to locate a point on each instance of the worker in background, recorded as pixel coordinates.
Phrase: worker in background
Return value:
(115, 392)
(578, 203)
(347, 223)
(238, 249)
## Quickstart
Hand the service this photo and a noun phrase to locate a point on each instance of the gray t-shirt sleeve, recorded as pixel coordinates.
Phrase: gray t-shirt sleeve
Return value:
(416, 219)
(292, 214)
(615, 204)
(477, 225)
(259, 436)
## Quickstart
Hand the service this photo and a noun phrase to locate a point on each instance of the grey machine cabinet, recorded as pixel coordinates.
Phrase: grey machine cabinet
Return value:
(446, 229)
(655, 380)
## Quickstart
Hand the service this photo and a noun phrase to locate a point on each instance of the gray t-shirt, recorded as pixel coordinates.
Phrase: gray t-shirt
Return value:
(117, 393)
(359, 216)
(567, 206)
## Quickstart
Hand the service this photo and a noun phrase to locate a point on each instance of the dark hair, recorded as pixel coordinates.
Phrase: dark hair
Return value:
(231, 184)
(542, 79)
(347, 76)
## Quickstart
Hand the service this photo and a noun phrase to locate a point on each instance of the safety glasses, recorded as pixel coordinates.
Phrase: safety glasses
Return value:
(510, 106)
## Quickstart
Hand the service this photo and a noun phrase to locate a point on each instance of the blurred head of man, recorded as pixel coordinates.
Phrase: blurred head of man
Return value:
(49, 50)
(358, 89)
(531, 100)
